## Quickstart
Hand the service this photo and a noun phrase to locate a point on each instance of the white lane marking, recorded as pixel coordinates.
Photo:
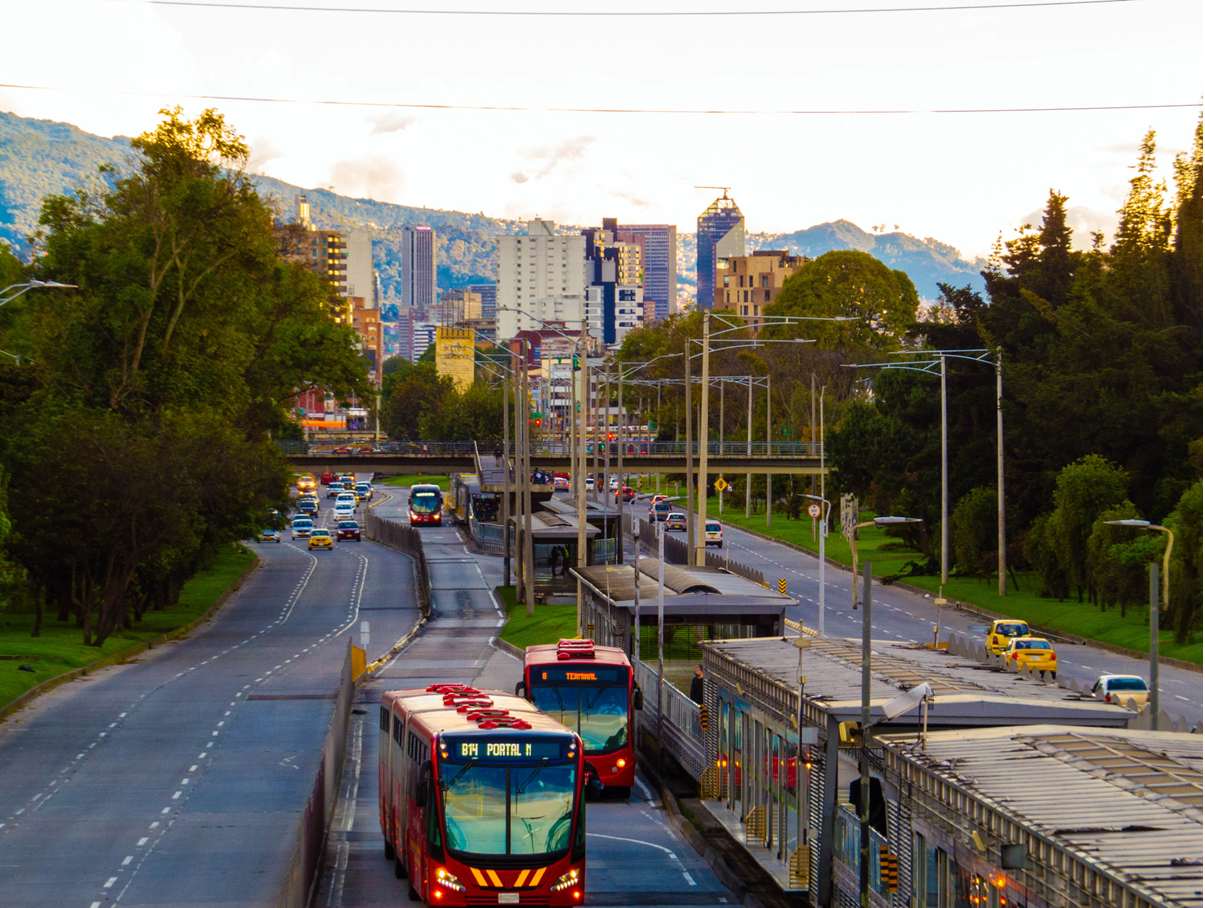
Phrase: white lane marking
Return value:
(113, 879)
(143, 841)
(689, 879)
(618, 838)
(193, 768)
(648, 794)
(130, 857)
(176, 796)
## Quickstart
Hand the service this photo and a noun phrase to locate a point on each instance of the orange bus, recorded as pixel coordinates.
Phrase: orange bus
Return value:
(591, 690)
(481, 798)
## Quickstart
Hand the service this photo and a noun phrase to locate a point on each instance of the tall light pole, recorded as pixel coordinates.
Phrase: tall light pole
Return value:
(851, 536)
(1136, 524)
(700, 541)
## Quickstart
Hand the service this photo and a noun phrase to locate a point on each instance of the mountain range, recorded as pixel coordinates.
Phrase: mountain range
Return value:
(44, 157)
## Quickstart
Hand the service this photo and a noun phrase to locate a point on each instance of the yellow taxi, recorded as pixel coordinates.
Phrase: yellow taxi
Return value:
(321, 539)
(306, 483)
(1034, 652)
(1003, 630)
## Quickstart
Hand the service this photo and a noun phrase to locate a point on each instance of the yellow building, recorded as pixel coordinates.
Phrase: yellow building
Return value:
(455, 355)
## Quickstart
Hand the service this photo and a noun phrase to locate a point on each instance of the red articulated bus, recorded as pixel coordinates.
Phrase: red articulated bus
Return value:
(426, 505)
(591, 690)
(481, 798)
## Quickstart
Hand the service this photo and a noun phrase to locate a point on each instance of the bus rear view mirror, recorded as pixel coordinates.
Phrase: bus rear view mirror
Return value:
(638, 699)
(521, 689)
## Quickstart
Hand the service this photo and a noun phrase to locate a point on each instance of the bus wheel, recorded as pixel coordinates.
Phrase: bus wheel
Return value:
(388, 850)
(399, 869)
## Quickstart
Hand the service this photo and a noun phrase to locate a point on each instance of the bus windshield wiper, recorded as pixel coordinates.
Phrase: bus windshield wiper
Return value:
(522, 789)
(456, 778)
(590, 705)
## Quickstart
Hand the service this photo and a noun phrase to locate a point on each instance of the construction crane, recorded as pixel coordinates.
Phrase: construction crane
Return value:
(723, 189)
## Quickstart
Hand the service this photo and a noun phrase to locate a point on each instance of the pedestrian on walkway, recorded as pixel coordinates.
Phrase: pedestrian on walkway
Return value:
(497, 455)
(696, 685)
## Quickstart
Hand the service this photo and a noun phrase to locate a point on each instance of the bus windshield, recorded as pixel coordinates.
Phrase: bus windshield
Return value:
(492, 809)
(424, 501)
(596, 707)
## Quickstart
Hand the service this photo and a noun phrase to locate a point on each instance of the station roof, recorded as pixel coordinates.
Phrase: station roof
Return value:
(687, 589)
(554, 527)
(1124, 802)
(966, 692)
(595, 510)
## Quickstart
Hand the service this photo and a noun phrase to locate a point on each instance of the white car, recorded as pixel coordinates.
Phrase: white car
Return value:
(589, 483)
(614, 483)
(1121, 688)
(346, 498)
(302, 527)
(715, 534)
(344, 512)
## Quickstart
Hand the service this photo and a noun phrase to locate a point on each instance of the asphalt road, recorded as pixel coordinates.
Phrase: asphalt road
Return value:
(898, 614)
(178, 779)
(633, 856)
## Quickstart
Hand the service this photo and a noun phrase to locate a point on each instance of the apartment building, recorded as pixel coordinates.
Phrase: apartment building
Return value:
(749, 283)
(659, 264)
(541, 278)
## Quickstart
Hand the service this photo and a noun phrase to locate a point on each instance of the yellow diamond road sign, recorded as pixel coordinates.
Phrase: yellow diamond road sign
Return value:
(720, 485)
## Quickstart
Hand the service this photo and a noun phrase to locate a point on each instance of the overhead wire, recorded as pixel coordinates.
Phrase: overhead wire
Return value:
(336, 102)
(610, 13)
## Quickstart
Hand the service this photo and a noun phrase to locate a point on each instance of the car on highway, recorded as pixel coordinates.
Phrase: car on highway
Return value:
(346, 498)
(614, 484)
(306, 483)
(560, 483)
(347, 529)
(269, 536)
(327, 478)
(363, 491)
(1002, 630)
(627, 493)
(1121, 689)
(347, 477)
(714, 533)
(674, 520)
(344, 512)
(302, 526)
(659, 497)
(333, 490)
(589, 483)
(308, 506)
(321, 539)
(1035, 652)
(344, 449)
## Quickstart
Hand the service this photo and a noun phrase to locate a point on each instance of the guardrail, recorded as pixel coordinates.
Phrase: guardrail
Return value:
(301, 876)
(488, 536)
(683, 729)
(555, 448)
(408, 540)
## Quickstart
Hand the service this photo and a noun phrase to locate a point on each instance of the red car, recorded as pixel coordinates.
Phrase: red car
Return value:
(347, 529)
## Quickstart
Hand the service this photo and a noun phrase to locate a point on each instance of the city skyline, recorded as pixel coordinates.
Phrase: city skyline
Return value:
(952, 123)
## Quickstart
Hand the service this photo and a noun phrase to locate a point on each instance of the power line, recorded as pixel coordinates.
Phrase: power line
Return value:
(560, 13)
(329, 102)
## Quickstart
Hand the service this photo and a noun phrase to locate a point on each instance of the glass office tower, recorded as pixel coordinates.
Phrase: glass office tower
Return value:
(720, 236)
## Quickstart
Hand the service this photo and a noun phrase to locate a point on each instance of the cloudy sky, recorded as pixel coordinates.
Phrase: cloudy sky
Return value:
(810, 110)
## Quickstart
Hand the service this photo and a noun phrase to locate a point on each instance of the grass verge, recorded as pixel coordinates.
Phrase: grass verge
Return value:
(548, 625)
(415, 479)
(890, 556)
(61, 648)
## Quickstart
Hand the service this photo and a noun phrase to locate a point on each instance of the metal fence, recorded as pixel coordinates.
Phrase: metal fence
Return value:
(488, 536)
(683, 729)
(552, 448)
(408, 540)
(606, 551)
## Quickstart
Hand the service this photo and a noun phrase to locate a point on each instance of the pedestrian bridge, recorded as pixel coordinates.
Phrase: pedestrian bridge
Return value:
(394, 458)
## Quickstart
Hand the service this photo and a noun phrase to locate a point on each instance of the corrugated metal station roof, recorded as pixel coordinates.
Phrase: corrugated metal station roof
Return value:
(680, 581)
(1127, 802)
(965, 690)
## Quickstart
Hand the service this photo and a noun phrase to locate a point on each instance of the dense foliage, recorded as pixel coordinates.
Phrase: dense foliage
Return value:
(137, 429)
(1101, 353)
(419, 405)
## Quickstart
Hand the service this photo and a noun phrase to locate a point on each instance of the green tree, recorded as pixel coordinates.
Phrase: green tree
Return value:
(1186, 575)
(851, 284)
(1083, 491)
(412, 398)
(973, 532)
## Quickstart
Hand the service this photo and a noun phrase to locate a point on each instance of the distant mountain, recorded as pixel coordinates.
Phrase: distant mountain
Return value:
(43, 157)
(928, 262)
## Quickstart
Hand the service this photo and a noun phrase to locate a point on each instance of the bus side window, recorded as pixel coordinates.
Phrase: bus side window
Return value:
(384, 719)
(579, 838)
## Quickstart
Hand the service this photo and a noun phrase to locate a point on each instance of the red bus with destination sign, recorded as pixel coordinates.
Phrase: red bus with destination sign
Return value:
(481, 798)
(591, 690)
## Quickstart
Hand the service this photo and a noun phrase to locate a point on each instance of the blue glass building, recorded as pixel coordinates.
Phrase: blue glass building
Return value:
(720, 236)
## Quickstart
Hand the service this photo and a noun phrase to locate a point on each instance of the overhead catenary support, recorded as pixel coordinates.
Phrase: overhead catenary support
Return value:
(749, 454)
(505, 482)
(690, 508)
(700, 546)
(769, 441)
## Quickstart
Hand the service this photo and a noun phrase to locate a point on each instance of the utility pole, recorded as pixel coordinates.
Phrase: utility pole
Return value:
(505, 483)
(529, 567)
(700, 551)
(520, 578)
(579, 478)
(769, 441)
(945, 483)
(864, 753)
(690, 513)
(749, 454)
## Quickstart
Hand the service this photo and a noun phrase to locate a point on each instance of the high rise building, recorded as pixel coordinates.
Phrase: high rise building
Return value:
(418, 267)
(720, 236)
(460, 305)
(361, 278)
(752, 282)
(367, 323)
(489, 298)
(325, 253)
(614, 297)
(541, 278)
(659, 261)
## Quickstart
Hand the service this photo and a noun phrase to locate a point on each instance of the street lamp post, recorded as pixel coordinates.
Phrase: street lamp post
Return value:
(1137, 524)
(851, 535)
(700, 541)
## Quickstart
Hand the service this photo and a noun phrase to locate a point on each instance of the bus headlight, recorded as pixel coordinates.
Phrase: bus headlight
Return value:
(566, 880)
(448, 881)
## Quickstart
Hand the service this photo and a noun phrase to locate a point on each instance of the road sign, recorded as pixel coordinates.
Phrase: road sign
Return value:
(813, 510)
(652, 425)
(720, 485)
(782, 586)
